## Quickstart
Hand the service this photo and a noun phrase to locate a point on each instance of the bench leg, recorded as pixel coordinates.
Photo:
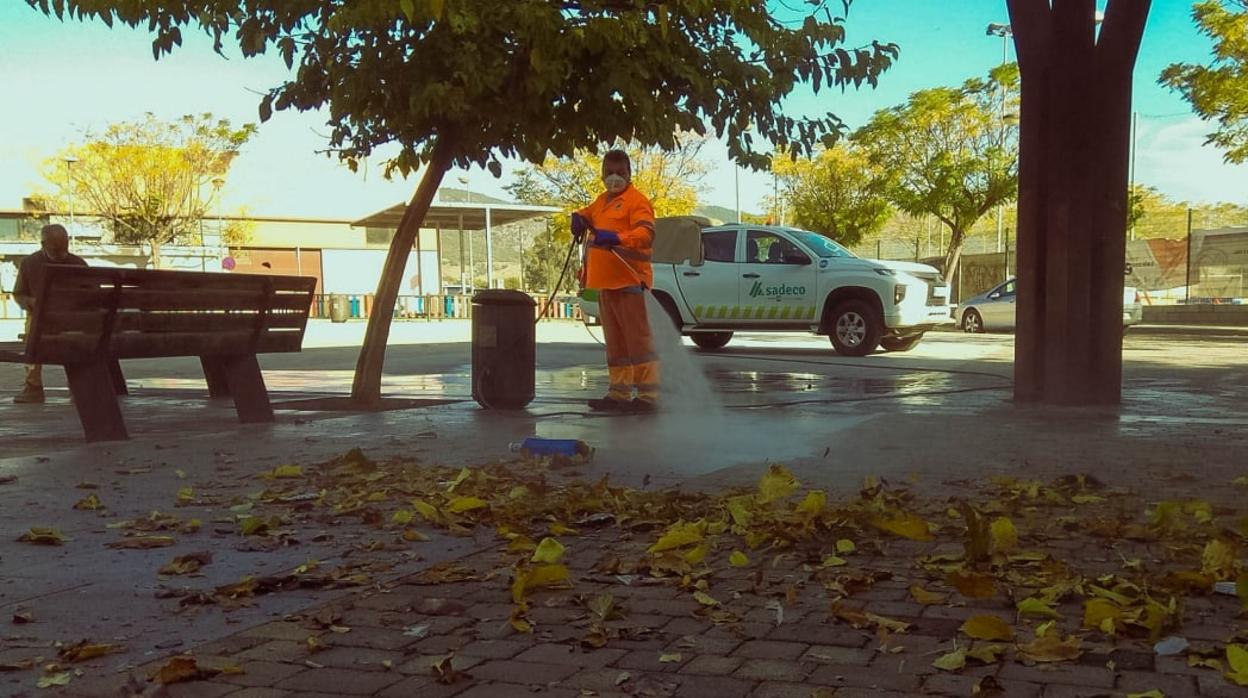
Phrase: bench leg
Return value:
(119, 378)
(215, 375)
(246, 384)
(95, 398)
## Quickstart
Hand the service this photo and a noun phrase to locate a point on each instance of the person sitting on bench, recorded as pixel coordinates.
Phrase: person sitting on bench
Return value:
(54, 244)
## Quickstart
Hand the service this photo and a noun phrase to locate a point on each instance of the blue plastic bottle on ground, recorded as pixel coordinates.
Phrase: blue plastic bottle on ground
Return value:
(534, 446)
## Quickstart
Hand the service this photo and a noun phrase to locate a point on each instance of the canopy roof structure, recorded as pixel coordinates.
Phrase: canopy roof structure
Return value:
(459, 215)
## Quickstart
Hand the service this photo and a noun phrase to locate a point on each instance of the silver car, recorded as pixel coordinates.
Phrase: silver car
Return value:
(994, 309)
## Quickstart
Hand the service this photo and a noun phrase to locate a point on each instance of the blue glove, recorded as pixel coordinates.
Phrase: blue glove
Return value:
(606, 238)
(579, 227)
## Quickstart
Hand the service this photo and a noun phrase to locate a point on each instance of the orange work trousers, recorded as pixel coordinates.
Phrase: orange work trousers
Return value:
(631, 360)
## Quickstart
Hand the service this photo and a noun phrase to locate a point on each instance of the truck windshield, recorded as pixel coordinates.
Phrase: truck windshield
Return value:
(820, 245)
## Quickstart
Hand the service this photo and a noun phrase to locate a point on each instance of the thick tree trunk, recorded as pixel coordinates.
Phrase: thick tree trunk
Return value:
(1072, 204)
(953, 255)
(366, 388)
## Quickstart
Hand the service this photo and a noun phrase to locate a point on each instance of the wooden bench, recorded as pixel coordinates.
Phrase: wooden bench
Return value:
(88, 318)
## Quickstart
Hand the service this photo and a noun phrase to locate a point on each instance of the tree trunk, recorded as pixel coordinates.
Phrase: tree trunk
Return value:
(366, 388)
(953, 255)
(1072, 203)
(155, 254)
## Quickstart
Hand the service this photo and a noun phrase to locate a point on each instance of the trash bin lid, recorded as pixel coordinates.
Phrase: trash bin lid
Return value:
(499, 296)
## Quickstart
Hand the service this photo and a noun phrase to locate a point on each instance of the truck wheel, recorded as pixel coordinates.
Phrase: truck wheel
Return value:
(901, 343)
(854, 328)
(711, 340)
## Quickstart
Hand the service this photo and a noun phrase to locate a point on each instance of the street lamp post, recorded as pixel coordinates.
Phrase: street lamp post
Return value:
(69, 166)
(736, 180)
(1005, 32)
(217, 183)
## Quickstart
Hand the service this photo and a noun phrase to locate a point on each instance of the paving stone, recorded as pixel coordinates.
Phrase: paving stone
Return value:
(261, 673)
(704, 644)
(821, 634)
(1214, 685)
(359, 658)
(782, 689)
(1127, 659)
(423, 664)
(489, 611)
(1178, 665)
(564, 654)
(847, 676)
(493, 649)
(897, 609)
(533, 673)
(440, 644)
(1170, 684)
(512, 690)
(372, 638)
(259, 692)
(599, 680)
(831, 654)
(276, 651)
(199, 689)
(856, 692)
(282, 630)
(423, 687)
(715, 687)
(664, 607)
(1070, 674)
(228, 646)
(683, 626)
(964, 685)
(958, 613)
(1058, 690)
(770, 670)
(648, 660)
(712, 665)
(770, 649)
(351, 682)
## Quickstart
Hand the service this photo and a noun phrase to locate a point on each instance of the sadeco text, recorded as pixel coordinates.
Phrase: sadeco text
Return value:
(776, 291)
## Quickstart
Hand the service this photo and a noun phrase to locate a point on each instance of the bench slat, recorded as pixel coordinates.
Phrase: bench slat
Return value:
(181, 280)
(71, 348)
(200, 299)
(92, 321)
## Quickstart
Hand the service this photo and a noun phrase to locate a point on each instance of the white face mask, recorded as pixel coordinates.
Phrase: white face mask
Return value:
(615, 183)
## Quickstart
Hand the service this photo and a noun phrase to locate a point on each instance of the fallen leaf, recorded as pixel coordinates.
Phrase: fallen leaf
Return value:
(832, 561)
(1087, 499)
(40, 535)
(52, 680)
(973, 585)
(987, 686)
(83, 651)
(23, 617)
(1147, 694)
(445, 672)
(90, 502)
(777, 484)
(987, 627)
(909, 526)
(927, 598)
(186, 495)
(679, 535)
(1036, 607)
(814, 503)
(143, 543)
(845, 546)
(1218, 559)
(738, 559)
(180, 669)
(403, 517)
(1004, 535)
(988, 654)
(670, 658)
(287, 471)
(459, 505)
(187, 564)
(1237, 663)
(1102, 614)
(1052, 648)
(549, 551)
(705, 599)
(411, 535)
(953, 661)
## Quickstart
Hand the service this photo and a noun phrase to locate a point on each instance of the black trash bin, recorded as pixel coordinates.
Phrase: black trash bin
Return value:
(504, 349)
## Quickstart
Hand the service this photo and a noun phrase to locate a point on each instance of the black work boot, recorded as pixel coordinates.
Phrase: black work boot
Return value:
(29, 396)
(609, 404)
(643, 405)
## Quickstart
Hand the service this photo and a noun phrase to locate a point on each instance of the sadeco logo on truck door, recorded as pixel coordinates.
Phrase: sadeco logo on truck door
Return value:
(777, 292)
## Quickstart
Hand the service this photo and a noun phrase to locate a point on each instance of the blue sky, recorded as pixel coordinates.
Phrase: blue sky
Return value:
(60, 78)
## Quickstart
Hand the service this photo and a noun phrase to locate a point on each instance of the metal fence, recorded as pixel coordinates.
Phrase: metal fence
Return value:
(437, 307)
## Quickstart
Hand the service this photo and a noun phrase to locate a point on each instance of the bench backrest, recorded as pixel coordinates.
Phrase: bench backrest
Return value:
(87, 312)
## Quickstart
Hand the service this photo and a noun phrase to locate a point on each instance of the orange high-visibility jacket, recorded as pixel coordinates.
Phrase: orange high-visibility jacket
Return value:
(630, 215)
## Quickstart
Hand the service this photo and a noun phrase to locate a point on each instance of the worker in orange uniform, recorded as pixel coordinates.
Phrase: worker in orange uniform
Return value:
(620, 227)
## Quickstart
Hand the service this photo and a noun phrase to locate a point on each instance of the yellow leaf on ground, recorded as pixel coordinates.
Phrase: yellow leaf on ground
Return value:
(738, 559)
(1218, 559)
(83, 651)
(739, 509)
(403, 517)
(927, 598)
(988, 654)
(186, 495)
(814, 503)
(89, 503)
(545, 575)
(548, 551)
(973, 585)
(698, 554)
(705, 599)
(845, 546)
(1036, 607)
(1237, 664)
(180, 669)
(425, 509)
(1087, 499)
(411, 535)
(520, 623)
(460, 505)
(954, 661)
(143, 542)
(902, 524)
(832, 561)
(1052, 648)
(1102, 614)
(1004, 535)
(1147, 694)
(51, 680)
(187, 564)
(288, 471)
(40, 535)
(778, 483)
(679, 535)
(558, 529)
(670, 658)
(987, 627)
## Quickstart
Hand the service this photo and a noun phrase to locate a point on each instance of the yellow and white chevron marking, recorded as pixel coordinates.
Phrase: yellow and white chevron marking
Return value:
(754, 312)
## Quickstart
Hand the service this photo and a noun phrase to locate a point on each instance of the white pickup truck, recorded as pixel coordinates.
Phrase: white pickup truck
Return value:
(714, 281)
